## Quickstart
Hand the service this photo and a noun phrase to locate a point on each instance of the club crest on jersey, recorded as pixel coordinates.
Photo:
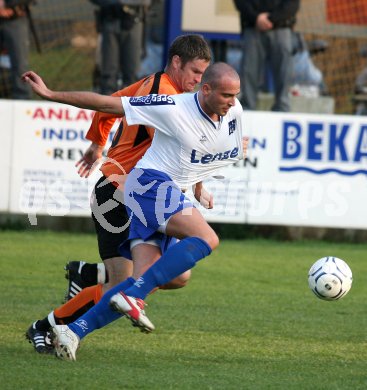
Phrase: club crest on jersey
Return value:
(232, 126)
(154, 100)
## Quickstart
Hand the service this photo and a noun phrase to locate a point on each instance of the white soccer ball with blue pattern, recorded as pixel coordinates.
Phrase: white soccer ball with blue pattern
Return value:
(330, 278)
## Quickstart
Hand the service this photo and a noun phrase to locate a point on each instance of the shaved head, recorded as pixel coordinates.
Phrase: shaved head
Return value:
(220, 85)
(218, 72)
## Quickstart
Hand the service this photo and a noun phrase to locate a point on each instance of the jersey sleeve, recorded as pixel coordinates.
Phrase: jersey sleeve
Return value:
(102, 123)
(240, 125)
(157, 111)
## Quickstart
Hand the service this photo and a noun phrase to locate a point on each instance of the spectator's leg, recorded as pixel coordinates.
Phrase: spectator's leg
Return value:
(131, 44)
(110, 56)
(252, 67)
(281, 61)
(16, 37)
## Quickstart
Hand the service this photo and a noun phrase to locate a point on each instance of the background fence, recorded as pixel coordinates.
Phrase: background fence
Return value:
(68, 39)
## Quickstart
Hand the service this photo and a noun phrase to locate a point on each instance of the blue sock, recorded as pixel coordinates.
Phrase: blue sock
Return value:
(176, 260)
(100, 314)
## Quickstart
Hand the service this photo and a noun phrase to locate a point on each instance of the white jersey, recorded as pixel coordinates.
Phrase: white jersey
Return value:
(187, 145)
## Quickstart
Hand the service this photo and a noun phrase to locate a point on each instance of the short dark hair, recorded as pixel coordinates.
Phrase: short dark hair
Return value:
(189, 47)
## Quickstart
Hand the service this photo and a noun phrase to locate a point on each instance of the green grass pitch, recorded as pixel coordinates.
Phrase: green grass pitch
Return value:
(247, 320)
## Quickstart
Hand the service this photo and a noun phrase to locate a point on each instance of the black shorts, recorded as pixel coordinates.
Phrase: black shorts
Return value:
(111, 226)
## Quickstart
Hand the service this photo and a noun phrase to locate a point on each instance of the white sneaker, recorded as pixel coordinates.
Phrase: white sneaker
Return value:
(133, 308)
(65, 341)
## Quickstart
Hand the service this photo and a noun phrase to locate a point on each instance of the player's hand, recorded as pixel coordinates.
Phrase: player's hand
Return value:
(5, 13)
(245, 141)
(90, 160)
(203, 196)
(263, 23)
(37, 84)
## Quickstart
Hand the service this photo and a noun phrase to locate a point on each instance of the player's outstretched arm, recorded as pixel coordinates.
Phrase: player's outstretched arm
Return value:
(88, 100)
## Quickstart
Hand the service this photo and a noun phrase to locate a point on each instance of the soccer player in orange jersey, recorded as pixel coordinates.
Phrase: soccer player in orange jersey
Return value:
(188, 57)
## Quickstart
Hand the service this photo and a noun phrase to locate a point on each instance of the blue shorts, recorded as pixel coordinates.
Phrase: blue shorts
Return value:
(151, 198)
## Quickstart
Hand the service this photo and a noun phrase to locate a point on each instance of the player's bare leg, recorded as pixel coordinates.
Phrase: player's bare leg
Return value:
(190, 223)
(118, 269)
(145, 255)
(198, 239)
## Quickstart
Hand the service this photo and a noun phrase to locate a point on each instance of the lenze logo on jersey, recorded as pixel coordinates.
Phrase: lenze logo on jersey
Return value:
(208, 158)
(154, 99)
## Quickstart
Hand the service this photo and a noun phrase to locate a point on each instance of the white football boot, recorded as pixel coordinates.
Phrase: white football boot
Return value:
(133, 308)
(65, 341)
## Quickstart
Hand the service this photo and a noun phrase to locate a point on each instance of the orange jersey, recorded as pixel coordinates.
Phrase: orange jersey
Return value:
(130, 142)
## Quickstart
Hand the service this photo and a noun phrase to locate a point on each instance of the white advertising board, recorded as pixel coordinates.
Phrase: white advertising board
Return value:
(302, 170)
(311, 170)
(49, 139)
(6, 117)
(228, 189)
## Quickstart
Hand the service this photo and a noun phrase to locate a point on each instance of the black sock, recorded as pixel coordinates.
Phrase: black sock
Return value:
(43, 325)
(89, 273)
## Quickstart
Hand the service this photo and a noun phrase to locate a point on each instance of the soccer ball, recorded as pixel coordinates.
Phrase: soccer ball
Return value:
(330, 278)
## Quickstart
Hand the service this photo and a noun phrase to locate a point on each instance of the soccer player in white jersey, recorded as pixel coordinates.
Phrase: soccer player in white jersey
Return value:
(196, 134)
